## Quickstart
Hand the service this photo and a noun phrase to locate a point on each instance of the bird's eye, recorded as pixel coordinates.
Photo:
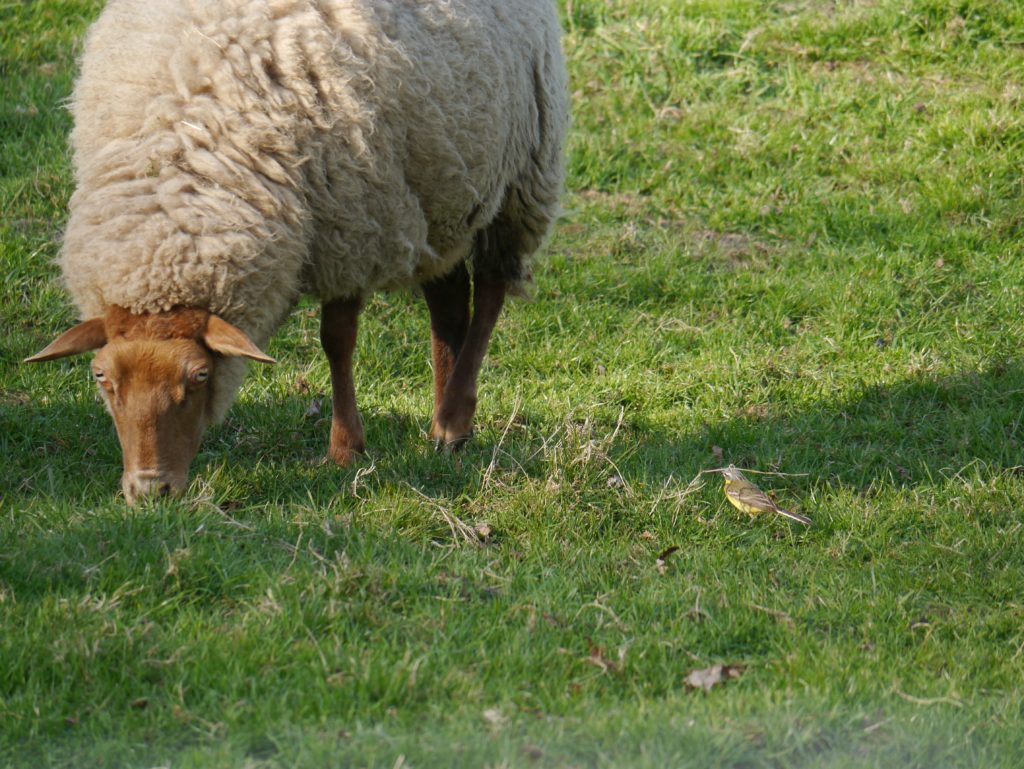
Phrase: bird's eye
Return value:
(199, 376)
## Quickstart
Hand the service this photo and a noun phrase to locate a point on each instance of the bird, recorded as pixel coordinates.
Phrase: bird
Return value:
(745, 496)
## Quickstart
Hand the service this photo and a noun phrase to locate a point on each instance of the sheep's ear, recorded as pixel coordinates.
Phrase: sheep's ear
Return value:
(89, 335)
(226, 339)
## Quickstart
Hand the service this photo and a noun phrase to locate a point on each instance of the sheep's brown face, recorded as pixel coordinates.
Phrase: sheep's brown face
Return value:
(157, 392)
(157, 374)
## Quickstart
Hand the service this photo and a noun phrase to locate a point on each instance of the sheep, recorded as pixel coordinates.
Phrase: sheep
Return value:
(231, 156)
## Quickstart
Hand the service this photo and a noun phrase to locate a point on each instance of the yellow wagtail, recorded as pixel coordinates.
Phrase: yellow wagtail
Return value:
(745, 496)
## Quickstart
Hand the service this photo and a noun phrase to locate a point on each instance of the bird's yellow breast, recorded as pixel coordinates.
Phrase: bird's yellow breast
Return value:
(733, 491)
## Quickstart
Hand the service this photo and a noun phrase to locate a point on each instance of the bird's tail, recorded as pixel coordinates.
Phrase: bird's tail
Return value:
(794, 516)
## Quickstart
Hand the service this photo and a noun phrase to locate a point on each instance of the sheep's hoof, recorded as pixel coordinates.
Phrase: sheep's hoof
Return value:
(347, 442)
(448, 440)
(448, 446)
(345, 456)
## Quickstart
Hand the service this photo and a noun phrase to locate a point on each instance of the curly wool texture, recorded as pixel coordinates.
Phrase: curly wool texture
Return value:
(231, 155)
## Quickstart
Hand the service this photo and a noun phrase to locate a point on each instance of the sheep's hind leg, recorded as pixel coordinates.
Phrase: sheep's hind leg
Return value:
(453, 419)
(339, 323)
(448, 301)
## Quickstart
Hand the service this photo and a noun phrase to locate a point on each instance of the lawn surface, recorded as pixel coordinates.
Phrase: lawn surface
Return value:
(792, 241)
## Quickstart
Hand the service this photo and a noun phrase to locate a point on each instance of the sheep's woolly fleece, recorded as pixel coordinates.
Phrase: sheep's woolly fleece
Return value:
(230, 155)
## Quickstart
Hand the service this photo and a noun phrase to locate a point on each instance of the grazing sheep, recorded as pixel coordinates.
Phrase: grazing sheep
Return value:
(232, 155)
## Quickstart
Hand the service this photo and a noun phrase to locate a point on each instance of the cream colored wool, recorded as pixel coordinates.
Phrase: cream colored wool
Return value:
(231, 155)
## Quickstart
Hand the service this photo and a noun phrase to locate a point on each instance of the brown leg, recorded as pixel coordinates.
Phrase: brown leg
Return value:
(339, 322)
(453, 420)
(448, 302)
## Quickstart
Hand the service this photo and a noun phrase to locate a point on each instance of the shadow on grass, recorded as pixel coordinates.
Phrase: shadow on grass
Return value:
(908, 434)
(912, 433)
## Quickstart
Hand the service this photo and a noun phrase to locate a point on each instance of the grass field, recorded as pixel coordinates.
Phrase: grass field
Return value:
(792, 241)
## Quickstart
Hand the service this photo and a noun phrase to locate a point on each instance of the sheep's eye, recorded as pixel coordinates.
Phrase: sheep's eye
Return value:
(101, 380)
(199, 376)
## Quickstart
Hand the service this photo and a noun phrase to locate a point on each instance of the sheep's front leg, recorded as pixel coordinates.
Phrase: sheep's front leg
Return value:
(339, 323)
(453, 419)
(448, 302)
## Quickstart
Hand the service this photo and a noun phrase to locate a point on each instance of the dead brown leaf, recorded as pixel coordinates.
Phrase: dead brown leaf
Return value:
(599, 659)
(667, 552)
(696, 614)
(662, 559)
(708, 678)
(493, 716)
(533, 753)
(780, 615)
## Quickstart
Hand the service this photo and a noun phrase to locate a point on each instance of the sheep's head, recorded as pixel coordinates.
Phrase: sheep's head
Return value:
(157, 374)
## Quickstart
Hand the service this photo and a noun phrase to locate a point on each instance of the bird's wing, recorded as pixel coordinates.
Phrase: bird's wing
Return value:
(749, 494)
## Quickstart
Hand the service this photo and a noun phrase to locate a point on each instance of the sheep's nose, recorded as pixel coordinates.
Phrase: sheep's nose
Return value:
(145, 483)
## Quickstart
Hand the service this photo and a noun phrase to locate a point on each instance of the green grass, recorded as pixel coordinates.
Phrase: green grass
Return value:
(792, 241)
